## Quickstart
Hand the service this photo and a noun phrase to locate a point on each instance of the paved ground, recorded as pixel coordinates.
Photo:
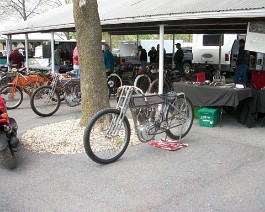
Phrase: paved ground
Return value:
(221, 170)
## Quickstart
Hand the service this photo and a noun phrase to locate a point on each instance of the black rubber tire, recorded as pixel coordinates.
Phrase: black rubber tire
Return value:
(5, 80)
(186, 68)
(8, 159)
(35, 97)
(153, 88)
(143, 82)
(114, 82)
(19, 92)
(88, 140)
(190, 111)
(6, 155)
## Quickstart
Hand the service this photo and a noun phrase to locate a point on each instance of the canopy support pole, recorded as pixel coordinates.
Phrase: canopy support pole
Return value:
(8, 50)
(220, 51)
(27, 51)
(161, 59)
(52, 52)
(173, 52)
(110, 42)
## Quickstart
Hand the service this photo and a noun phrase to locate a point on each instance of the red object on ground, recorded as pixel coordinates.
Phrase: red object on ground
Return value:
(258, 79)
(201, 76)
(168, 144)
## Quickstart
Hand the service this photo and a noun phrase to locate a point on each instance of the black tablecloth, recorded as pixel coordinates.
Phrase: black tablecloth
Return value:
(206, 95)
(261, 101)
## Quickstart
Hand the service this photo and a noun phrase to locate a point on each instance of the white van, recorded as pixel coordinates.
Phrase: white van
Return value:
(205, 49)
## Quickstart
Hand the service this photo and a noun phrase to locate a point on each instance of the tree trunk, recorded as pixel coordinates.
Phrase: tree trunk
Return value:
(90, 58)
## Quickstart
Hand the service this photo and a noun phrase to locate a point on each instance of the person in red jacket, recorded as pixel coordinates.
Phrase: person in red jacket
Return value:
(75, 61)
(16, 58)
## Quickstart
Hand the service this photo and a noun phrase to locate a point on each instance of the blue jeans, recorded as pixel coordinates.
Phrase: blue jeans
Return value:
(143, 65)
(241, 72)
(56, 69)
(76, 71)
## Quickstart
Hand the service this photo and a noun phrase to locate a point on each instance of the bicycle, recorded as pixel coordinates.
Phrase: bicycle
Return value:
(12, 92)
(46, 100)
(107, 134)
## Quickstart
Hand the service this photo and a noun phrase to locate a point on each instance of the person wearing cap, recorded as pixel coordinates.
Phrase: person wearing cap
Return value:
(178, 57)
(16, 58)
(143, 57)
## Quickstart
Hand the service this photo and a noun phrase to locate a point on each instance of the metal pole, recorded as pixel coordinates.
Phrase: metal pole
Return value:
(8, 50)
(27, 51)
(220, 50)
(173, 52)
(110, 42)
(137, 41)
(52, 52)
(161, 59)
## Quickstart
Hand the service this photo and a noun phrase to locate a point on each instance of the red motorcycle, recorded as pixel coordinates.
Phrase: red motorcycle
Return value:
(8, 137)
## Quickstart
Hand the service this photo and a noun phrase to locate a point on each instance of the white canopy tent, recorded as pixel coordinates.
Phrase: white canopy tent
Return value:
(154, 17)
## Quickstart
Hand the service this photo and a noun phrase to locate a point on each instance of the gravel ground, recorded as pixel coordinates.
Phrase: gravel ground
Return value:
(64, 137)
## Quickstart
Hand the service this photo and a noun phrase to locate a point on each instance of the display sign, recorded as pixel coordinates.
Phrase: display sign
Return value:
(255, 39)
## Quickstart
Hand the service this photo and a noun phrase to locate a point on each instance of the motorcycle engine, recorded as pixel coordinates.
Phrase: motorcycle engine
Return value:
(72, 96)
(145, 124)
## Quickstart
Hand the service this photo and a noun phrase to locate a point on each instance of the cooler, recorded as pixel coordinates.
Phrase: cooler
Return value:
(258, 79)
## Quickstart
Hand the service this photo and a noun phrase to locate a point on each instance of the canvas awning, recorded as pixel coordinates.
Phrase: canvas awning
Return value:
(144, 17)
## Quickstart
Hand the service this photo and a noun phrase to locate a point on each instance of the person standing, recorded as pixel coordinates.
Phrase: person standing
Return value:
(152, 55)
(57, 60)
(165, 54)
(75, 61)
(178, 57)
(242, 63)
(16, 58)
(108, 60)
(143, 58)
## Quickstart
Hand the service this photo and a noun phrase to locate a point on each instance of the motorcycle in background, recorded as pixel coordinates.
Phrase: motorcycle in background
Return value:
(8, 137)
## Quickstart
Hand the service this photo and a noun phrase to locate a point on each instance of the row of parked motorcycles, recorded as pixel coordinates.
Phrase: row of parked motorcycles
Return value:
(65, 89)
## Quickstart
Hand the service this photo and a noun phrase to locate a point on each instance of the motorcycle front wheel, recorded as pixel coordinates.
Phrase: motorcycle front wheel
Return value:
(13, 96)
(106, 137)
(44, 101)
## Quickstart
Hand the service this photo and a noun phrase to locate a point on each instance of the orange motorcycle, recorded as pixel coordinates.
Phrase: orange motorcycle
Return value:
(13, 92)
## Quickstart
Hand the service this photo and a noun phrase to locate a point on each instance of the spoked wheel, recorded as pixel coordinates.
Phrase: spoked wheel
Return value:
(106, 136)
(114, 82)
(180, 114)
(153, 88)
(143, 82)
(5, 80)
(13, 96)
(44, 101)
